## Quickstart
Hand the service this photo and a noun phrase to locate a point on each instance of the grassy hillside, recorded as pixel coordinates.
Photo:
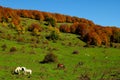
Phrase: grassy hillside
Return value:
(93, 63)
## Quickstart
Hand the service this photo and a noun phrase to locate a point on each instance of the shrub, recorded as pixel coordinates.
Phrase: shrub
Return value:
(51, 21)
(4, 46)
(34, 45)
(54, 34)
(13, 49)
(20, 39)
(75, 52)
(35, 29)
(20, 29)
(50, 57)
(3, 36)
(9, 36)
(34, 26)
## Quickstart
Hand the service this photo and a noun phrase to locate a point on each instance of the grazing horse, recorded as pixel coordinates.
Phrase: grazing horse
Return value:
(29, 71)
(17, 70)
(23, 68)
(61, 66)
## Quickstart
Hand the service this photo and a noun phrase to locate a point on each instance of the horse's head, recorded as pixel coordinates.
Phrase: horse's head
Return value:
(23, 68)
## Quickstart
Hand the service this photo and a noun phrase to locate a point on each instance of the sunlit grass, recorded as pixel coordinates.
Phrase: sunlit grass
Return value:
(93, 62)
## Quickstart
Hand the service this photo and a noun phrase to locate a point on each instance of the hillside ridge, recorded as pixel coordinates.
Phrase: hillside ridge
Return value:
(89, 32)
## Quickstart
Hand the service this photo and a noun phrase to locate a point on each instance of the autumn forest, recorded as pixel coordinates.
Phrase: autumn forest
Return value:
(91, 33)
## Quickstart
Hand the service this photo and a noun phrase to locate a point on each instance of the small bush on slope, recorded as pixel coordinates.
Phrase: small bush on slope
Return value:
(50, 57)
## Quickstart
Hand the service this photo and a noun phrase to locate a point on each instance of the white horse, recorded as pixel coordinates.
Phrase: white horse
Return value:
(17, 70)
(23, 68)
(27, 71)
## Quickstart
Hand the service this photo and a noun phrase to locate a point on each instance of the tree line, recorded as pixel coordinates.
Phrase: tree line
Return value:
(93, 34)
(89, 32)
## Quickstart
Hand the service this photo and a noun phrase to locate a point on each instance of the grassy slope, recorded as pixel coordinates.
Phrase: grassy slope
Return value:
(96, 61)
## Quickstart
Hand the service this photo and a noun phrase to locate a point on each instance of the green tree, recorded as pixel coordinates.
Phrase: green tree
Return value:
(51, 21)
(54, 33)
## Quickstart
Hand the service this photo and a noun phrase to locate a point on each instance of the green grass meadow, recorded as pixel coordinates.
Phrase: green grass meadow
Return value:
(91, 63)
(96, 62)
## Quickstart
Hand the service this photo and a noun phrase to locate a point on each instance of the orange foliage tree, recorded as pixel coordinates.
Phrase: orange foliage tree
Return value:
(91, 33)
(35, 28)
(92, 38)
(65, 28)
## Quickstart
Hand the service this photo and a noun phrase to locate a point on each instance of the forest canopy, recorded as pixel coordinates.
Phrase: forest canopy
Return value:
(89, 32)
